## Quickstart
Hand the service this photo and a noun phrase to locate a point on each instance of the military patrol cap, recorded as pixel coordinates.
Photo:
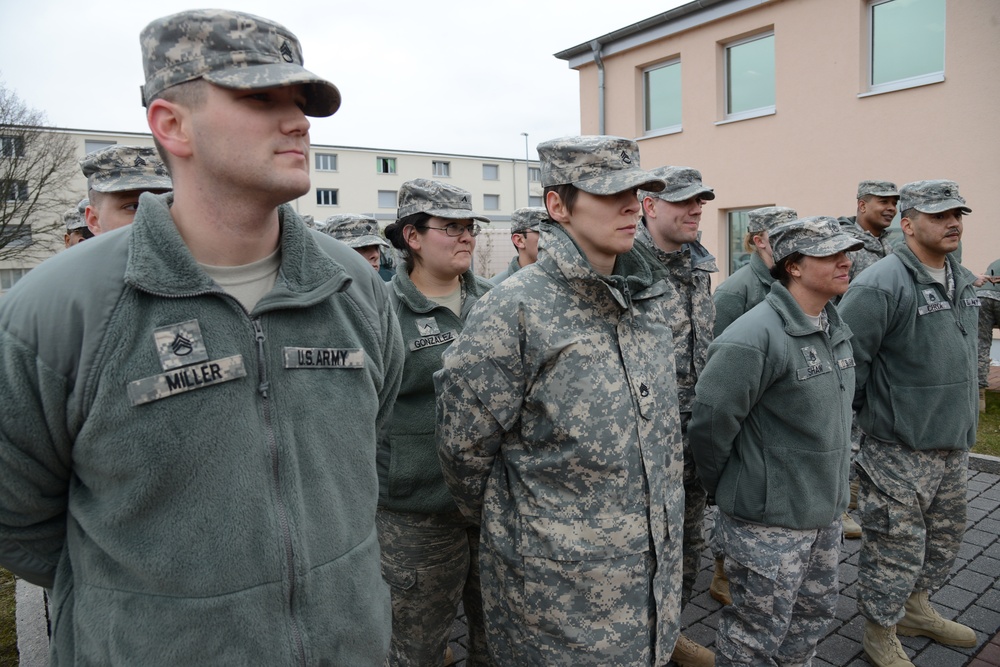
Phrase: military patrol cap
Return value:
(232, 50)
(683, 183)
(766, 218)
(877, 189)
(932, 197)
(422, 195)
(82, 206)
(819, 236)
(357, 231)
(527, 219)
(119, 168)
(599, 165)
(74, 219)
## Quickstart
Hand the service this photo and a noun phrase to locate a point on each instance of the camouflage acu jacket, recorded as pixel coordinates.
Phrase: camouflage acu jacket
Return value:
(558, 427)
(740, 292)
(874, 250)
(692, 312)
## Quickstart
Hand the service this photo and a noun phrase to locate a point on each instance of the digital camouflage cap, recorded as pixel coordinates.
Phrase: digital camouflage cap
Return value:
(877, 189)
(932, 197)
(74, 219)
(357, 231)
(232, 50)
(596, 164)
(527, 219)
(683, 183)
(768, 217)
(818, 236)
(119, 168)
(422, 195)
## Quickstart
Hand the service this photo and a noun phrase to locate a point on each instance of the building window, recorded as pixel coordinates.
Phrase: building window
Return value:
(10, 276)
(13, 190)
(387, 199)
(92, 146)
(535, 174)
(535, 201)
(11, 146)
(326, 197)
(738, 221)
(326, 162)
(491, 172)
(907, 43)
(386, 165)
(441, 169)
(14, 236)
(750, 77)
(491, 202)
(661, 86)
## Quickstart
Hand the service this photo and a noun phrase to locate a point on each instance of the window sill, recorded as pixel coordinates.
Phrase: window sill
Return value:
(661, 132)
(904, 84)
(747, 115)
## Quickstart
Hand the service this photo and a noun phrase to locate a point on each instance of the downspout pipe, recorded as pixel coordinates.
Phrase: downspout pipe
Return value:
(599, 60)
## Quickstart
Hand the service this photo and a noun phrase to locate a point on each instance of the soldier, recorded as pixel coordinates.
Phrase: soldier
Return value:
(188, 461)
(76, 225)
(770, 434)
(524, 223)
(359, 232)
(751, 282)
(116, 176)
(670, 228)
(559, 430)
(988, 292)
(877, 202)
(916, 404)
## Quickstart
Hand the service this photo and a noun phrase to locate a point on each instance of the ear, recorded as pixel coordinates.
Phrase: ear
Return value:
(862, 207)
(647, 209)
(793, 269)
(907, 225)
(90, 215)
(760, 240)
(518, 241)
(412, 237)
(169, 123)
(556, 208)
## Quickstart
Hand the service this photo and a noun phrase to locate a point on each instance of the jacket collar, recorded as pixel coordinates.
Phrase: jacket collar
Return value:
(415, 300)
(795, 321)
(693, 255)
(962, 277)
(760, 270)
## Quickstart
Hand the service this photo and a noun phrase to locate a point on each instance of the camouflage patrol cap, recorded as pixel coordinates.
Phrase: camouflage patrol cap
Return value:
(683, 183)
(82, 206)
(119, 168)
(877, 188)
(527, 219)
(599, 165)
(932, 197)
(357, 231)
(422, 195)
(232, 50)
(818, 236)
(768, 217)
(74, 219)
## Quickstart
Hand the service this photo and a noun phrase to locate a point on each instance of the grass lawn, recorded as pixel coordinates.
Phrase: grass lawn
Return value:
(8, 633)
(988, 436)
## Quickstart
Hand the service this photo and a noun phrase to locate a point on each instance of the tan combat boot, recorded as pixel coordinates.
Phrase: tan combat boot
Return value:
(688, 653)
(719, 590)
(923, 620)
(449, 656)
(855, 485)
(852, 529)
(882, 646)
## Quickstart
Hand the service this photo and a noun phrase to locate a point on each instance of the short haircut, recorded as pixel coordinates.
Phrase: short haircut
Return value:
(191, 95)
(567, 193)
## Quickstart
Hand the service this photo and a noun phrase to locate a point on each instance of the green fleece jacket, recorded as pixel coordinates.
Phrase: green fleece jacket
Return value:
(410, 478)
(196, 484)
(917, 381)
(740, 292)
(771, 426)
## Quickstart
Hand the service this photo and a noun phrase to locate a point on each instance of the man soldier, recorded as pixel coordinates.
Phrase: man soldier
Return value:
(116, 176)
(524, 235)
(191, 403)
(76, 225)
(914, 316)
(670, 228)
(989, 319)
(359, 232)
(877, 202)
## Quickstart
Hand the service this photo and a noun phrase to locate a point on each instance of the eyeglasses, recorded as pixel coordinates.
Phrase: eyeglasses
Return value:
(456, 229)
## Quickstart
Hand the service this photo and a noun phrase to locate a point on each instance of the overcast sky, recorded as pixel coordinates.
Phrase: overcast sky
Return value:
(454, 76)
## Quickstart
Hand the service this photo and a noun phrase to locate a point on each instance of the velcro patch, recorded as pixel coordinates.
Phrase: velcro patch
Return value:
(185, 379)
(812, 370)
(431, 341)
(324, 357)
(846, 363)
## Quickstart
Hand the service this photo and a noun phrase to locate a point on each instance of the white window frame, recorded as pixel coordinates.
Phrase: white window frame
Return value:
(496, 171)
(11, 146)
(898, 84)
(9, 277)
(535, 174)
(441, 168)
(383, 200)
(385, 165)
(322, 161)
(323, 196)
(734, 243)
(15, 189)
(491, 199)
(767, 110)
(666, 129)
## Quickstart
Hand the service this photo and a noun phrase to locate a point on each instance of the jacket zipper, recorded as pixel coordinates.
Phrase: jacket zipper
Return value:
(262, 388)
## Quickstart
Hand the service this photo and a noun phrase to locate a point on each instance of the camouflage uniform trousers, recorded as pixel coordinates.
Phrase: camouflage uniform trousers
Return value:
(784, 585)
(695, 500)
(431, 562)
(913, 514)
(989, 319)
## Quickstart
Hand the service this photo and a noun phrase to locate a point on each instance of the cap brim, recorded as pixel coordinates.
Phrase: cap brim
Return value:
(130, 184)
(620, 181)
(688, 193)
(322, 97)
(457, 214)
(365, 241)
(941, 207)
(834, 244)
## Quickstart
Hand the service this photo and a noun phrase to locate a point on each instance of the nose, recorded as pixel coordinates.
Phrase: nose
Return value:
(297, 123)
